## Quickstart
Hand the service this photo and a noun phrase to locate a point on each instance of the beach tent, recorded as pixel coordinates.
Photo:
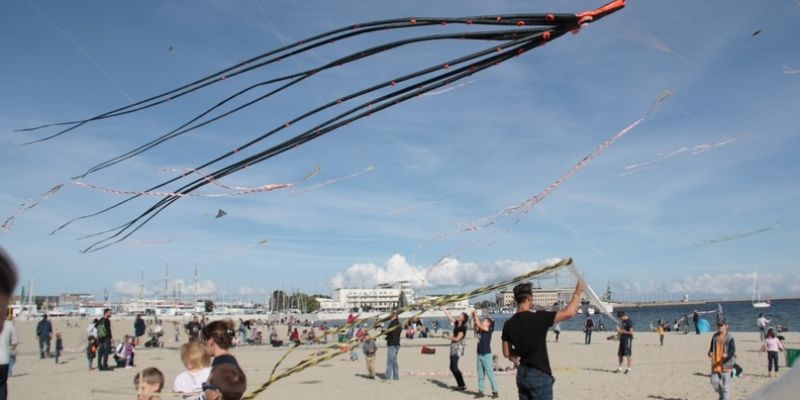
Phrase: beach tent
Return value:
(703, 325)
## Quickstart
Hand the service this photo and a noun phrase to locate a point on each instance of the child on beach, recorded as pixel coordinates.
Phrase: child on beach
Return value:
(128, 351)
(557, 330)
(772, 345)
(59, 344)
(370, 348)
(91, 350)
(148, 383)
(196, 358)
(660, 330)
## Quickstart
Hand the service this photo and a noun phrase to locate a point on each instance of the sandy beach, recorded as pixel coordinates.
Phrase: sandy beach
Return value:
(678, 370)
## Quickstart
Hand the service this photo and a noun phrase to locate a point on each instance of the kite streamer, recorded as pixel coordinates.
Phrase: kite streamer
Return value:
(258, 189)
(332, 181)
(735, 236)
(684, 151)
(6, 226)
(451, 88)
(789, 70)
(522, 209)
(527, 32)
(412, 207)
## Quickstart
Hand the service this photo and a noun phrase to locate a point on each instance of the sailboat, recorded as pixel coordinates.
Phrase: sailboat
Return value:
(757, 302)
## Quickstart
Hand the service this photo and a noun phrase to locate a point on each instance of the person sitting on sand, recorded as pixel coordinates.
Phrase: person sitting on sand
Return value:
(148, 383)
(196, 358)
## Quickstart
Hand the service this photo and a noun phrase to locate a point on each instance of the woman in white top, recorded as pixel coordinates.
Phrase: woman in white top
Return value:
(196, 357)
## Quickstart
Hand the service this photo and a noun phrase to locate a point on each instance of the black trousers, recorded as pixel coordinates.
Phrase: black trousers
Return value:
(456, 372)
(4, 382)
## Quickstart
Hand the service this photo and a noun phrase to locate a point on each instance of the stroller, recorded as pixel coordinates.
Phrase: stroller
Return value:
(155, 337)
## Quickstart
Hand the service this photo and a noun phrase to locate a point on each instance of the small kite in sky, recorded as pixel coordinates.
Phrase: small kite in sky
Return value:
(735, 236)
(221, 213)
(510, 36)
(756, 32)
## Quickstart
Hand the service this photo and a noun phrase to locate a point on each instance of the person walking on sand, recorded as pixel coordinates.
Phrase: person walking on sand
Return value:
(524, 341)
(772, 345)
(44, 330)
(762, 325)
(660, 331)
(457, 346)
(722, 353)
(484, 329)
(588, 326)
(625, 332)
(393, 347)
(59, 345)
(138, 329)
(696, 321)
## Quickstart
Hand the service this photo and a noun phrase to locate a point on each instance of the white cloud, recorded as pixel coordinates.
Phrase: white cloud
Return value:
(130, 288)
(448, 272)
(739, 285)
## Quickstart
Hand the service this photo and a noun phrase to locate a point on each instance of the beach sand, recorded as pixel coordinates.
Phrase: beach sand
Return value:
(678, 370)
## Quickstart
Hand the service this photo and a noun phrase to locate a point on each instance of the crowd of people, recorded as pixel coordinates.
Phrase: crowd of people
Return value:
(213, 372)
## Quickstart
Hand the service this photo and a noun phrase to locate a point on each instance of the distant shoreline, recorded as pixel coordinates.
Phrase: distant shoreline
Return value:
(690, 303)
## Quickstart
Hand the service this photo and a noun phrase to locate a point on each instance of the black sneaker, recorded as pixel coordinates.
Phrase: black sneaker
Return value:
(495, 395)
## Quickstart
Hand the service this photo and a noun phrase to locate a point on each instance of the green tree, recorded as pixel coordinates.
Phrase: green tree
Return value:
(280, 301)
(402, 301)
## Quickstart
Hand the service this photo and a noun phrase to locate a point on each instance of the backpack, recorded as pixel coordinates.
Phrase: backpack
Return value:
(102, 330)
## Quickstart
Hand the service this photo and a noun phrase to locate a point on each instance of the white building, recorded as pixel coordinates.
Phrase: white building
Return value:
(384, 297)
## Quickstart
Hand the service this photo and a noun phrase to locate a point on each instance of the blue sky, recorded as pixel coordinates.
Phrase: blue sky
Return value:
(716, 160)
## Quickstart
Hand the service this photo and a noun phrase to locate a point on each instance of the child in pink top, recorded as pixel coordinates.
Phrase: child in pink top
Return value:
(772, 344)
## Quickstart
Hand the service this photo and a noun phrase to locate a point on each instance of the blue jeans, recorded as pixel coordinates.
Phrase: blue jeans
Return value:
(721, 384)
(486, 368)
(392, 370)
(533, 384)
(44, 346)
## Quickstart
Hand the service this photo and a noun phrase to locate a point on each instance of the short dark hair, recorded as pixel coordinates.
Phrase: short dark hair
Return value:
(230, 380)
(8, 274)
(620, 314)
(522, 292)
(222, 333)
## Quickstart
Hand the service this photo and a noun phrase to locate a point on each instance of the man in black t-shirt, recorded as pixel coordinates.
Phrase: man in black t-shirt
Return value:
(625, 331)
(524, 336)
